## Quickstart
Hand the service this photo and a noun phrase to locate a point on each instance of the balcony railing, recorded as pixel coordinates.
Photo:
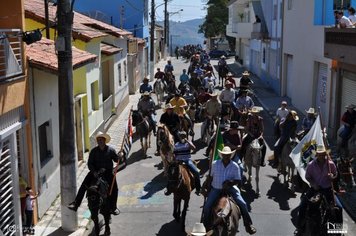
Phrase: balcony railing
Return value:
(340, 44)
(11, 61)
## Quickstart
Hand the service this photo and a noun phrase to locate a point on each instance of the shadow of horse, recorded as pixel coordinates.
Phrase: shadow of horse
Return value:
(279, 193)
(136, 157)
(157, 184)
(203, 165)
(249, 195)
(172, 229)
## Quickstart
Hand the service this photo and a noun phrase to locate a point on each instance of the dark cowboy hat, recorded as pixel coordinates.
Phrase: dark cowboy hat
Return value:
(235, 125)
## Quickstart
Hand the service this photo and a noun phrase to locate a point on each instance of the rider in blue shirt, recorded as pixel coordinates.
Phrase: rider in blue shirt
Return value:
(145, 86)
(184, 78)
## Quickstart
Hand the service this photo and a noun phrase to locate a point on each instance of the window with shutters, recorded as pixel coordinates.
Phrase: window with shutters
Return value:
(7, 208)
(45, 144)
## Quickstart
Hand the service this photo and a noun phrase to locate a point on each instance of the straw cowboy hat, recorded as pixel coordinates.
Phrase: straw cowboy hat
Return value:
(146, 93)
(198, 230)
(229, 74)
(311, 110)
(246, 73)
(294, 115)
(182, 134)
(169, 106)
(226, 151)
(256, 109)
(102, 135)
(214, 94)
(350, 106)
(321, 149)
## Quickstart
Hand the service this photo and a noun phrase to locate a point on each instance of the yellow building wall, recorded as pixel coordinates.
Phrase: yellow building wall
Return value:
(79, 81)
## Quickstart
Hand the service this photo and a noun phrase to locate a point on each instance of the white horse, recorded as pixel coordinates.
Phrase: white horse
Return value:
(286, 164)
(253, 158)
(159, 88)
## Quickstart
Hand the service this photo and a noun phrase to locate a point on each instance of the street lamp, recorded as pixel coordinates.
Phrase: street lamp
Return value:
(167, 29)
(171, 43)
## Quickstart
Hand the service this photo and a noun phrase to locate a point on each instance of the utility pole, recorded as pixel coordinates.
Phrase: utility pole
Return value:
(46, 19)
(152, 41)
(68, 160)
(165, 27)
(122, 13)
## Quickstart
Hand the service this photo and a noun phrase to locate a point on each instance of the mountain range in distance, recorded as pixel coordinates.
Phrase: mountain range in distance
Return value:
(184, 33)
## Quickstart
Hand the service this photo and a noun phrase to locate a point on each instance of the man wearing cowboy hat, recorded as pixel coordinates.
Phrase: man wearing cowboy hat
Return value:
(171, 120)
(229, 78)
(182, 153)
(222, 68)
(145, 86)
(288, 129)
(245, 80)
(225, 175)
(281, 114)
(320, 173)
(207, 80)
(254, 129)
(213, 108)
(180, 104)
(232, 138)
(100, 162)
(244, 101)
(210, 68)
(227, 97)
(309, 120)
(147, 107)
(348, 119)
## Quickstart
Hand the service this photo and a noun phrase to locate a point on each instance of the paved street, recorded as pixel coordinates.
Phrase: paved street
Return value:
(145, 210)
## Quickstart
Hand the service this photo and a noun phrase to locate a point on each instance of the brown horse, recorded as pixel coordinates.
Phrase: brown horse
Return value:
(181, 183)
(226, 215)
(185, 126)
(166, 145)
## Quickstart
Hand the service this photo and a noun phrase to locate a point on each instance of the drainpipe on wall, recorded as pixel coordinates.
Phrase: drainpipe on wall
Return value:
(281, 53)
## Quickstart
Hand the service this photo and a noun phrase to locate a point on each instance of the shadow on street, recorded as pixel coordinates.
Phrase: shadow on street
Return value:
(136, 156)
(155, 185)
(172, 228)
(280, 193)
(249, 195)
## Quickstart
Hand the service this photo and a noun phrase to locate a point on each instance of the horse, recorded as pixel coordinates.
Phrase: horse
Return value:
(222, 71)
(166, 144)
(181, 183)
(185, 126)
(253, 158)
(346, 172)
(143, 128)
(208, 129)
(225, 216)
(350, 150)
(98, 200)
(286, 165)
(159, 88)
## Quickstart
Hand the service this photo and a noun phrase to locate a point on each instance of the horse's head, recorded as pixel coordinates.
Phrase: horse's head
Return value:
(174, 176)
(97, 193)
(137, 117)
(222, 211)
(162, 134)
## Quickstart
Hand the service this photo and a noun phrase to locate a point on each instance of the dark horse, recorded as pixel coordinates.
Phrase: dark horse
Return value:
(225, 216)
(98, 200)
(143, 129)
(181, 183)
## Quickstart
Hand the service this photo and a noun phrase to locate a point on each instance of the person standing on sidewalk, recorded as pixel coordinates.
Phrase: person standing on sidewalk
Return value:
(30, 204)
(100, 162)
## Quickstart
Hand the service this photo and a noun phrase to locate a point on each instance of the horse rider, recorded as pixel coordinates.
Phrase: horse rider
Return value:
(210, 68)
(147, 107)
(245, 80)
(229, 77)
(309, 120)
(225, 175)
(199, 71)
(207, 80)
(171, 120)
(320, 173)
(232, 139)
(348, 119)
(100, 162)
(281, 114)
(288, 129)
(161, 75)
(254, 129)
(169, 67)
(195, 82)
(242, 104)
(180, 104)
(222, 68)
(227, 97)
(213, 109)
(145, 86)
(184, 78)
(182, 153)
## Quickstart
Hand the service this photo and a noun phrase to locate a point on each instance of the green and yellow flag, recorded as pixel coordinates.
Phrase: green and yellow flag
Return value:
(219, 144)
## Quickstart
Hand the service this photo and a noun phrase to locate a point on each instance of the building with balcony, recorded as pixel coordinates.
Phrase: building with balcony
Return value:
(15, 131)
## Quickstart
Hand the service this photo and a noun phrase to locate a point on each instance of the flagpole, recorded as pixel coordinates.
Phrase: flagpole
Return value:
(327, 154)
(117, 166)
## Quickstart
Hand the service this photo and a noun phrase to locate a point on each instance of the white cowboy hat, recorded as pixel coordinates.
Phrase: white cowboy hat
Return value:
(256, 109)
(350, 106)
(213, 94)
(198, 230)
(102, 135)
(169, 106)
(246, 73)
(295, 115)
(226, 151)
(229, 74)
(311, 110)
(222, 57)
(284, 102)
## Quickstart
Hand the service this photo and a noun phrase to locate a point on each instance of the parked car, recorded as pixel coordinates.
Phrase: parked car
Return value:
(217, 53)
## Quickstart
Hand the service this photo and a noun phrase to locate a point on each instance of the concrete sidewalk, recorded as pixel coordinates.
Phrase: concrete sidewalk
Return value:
(271, 102)
(50, 223)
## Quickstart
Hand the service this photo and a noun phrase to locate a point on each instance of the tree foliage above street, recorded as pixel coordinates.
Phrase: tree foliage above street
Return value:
(216, 19)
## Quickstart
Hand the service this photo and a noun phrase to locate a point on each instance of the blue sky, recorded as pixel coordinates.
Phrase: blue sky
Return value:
(192, 9)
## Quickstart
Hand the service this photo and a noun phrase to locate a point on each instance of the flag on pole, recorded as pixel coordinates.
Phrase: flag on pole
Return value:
(219, 144)
(302, 154)
(129, 129)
